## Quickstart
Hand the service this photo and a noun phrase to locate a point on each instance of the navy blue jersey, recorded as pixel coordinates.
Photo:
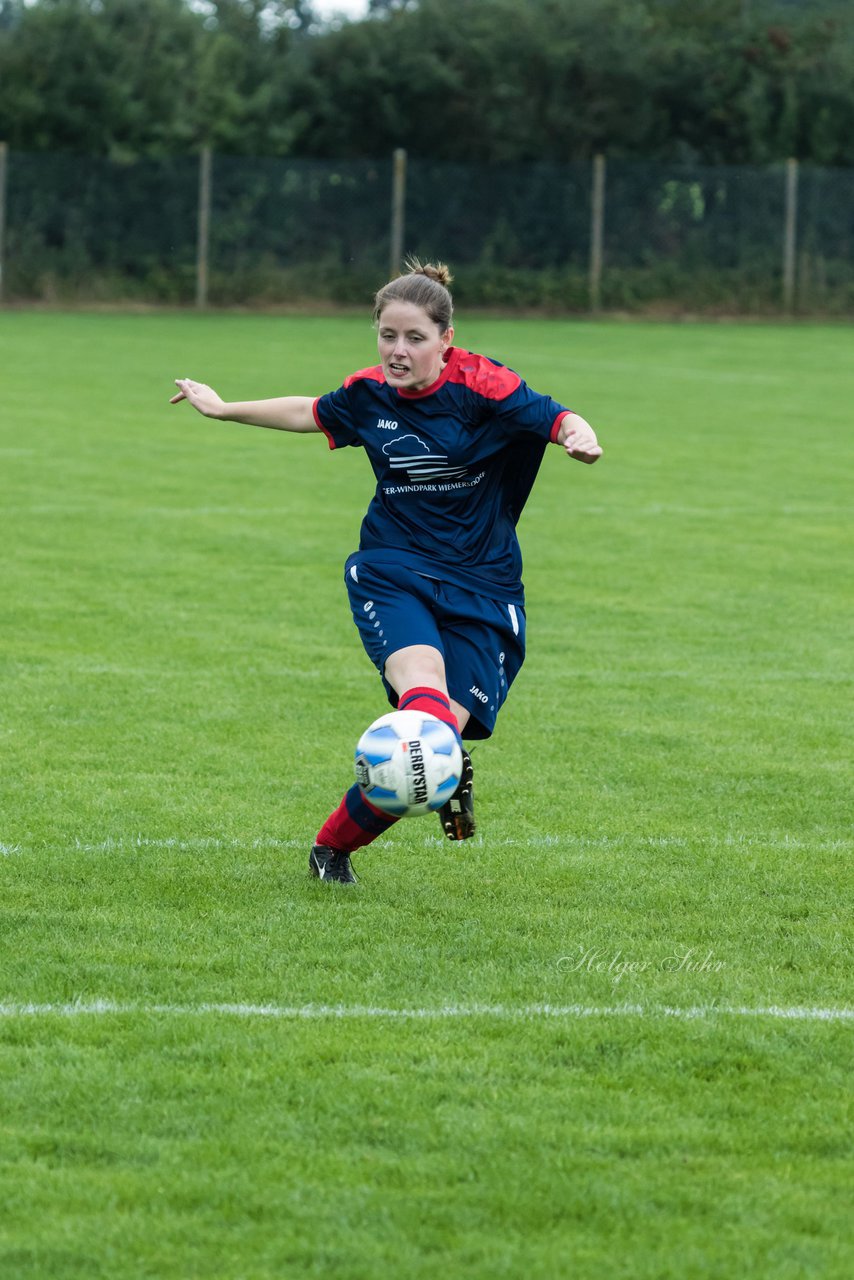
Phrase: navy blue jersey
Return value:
(454, 464)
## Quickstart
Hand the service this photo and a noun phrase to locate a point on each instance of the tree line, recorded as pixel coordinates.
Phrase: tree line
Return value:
(492, 81)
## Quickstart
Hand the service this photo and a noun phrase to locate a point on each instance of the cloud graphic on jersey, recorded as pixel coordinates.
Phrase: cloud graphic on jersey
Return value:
(392, 444)
(419, 466)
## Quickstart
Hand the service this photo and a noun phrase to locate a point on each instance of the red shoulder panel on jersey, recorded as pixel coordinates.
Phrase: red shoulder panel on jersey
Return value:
(480, 374)
(374, 374)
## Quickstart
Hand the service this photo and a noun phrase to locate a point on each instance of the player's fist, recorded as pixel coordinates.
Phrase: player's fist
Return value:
(579, 439)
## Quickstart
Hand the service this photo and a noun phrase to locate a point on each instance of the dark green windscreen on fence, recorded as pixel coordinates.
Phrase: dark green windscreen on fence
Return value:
(88, 227)
(280, 231)
(826, 239)
(279, 226)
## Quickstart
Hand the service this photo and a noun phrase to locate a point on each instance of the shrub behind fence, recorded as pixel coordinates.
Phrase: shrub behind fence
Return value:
(231, 230)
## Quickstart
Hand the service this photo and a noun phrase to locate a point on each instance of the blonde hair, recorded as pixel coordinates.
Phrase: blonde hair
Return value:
(425, 285)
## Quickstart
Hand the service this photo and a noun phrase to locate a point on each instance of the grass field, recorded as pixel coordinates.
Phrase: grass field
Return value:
(611, 1036)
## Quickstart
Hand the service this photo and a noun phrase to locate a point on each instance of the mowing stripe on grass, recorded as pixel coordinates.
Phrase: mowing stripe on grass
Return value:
(322, 1012)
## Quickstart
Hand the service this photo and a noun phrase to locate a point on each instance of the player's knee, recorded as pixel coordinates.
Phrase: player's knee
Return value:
(417, 665)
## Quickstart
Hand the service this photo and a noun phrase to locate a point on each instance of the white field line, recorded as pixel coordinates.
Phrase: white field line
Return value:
(198, 844)
(190, 845)
(324, 1013)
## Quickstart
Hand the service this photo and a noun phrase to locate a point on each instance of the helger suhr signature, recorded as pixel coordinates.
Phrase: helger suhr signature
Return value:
(618, 966)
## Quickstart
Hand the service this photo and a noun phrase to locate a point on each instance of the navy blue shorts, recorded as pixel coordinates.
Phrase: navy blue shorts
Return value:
(481, 640)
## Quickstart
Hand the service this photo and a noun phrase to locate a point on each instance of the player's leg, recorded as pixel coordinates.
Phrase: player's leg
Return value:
(417, 675)
(389, 610)
(484, 646)
(352, 825)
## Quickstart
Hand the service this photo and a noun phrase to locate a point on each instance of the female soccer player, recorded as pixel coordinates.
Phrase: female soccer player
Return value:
(455, 441)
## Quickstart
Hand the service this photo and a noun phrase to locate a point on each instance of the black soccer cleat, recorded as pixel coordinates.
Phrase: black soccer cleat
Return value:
(457, 816)
(330, 864)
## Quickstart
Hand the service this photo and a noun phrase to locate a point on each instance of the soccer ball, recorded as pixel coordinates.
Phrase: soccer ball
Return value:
(408, 763)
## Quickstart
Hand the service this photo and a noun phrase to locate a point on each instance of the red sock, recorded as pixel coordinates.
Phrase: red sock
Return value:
(431, 701)
(356, 822)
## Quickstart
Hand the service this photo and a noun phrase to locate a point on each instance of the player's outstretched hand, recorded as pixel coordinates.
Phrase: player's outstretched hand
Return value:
(200, 396)
(580, 440)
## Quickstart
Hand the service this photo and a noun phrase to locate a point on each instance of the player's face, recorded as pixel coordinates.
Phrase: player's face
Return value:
(411, 346)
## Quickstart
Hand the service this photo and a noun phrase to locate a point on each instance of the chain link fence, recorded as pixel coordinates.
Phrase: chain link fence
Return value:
(252, 231)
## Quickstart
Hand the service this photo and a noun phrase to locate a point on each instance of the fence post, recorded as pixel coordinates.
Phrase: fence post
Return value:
(597, 224)
(203, 227)
(4, 152)
(398, 211)
(790, 235)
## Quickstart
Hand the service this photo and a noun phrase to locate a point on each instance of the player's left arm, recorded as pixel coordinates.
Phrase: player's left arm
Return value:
(578, 438)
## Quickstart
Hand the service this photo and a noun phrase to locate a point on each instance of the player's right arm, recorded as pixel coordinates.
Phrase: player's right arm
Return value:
(284, 413)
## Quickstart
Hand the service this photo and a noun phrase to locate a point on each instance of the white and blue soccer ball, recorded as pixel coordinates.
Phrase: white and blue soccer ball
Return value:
(408, 763)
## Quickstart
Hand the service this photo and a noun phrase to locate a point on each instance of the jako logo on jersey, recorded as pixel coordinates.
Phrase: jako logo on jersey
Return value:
(386, 424)
(477, 693)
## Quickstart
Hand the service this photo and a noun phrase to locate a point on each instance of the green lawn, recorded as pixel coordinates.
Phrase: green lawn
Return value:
(609, 1037)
